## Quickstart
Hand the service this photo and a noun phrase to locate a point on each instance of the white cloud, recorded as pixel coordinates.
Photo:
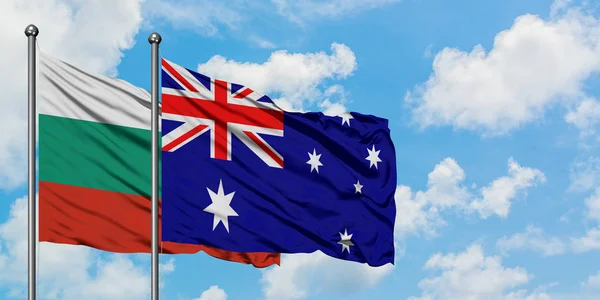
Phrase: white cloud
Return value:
(167, 267)
(419, 211)
(117, 278)
(335, 101)
(559, 6)
(295, 77)
(207, 17)
(472, 275)
(524, 295)
(589, 242)
(287, 105)
(446, 190)
(415, 214)
(585, 116)
(443, 185)
(585, 175)
(261, 42)
(592, 203)
(427, 53)
(586, 179)
(332, 108)
(201, 16)
(210, 18)
(593, 282)
(69, 272)
(532, 239)
(213, 293)
(75, 31)
(303, 274)
(532, 66)
(496, 197)
(301, 11)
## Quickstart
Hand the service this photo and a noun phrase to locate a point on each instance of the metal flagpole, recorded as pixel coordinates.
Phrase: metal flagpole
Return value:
(154, 40)
(31, 32)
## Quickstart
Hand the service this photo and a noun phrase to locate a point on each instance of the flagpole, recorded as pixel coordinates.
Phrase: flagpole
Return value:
(31, 32)
(154, 39)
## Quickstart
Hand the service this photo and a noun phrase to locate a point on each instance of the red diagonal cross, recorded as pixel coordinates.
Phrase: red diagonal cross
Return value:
(222, 113)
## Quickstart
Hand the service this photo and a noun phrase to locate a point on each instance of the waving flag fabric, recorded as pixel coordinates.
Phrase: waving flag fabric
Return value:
(94, 162)
(241, 174)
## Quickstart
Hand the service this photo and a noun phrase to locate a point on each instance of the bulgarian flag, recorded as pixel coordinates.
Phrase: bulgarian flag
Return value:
(94, 165)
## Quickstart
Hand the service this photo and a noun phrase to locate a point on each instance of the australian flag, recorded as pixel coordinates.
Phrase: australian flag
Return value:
(240, 174)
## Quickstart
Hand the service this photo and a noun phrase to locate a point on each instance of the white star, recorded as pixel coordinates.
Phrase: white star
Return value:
(220, 206)
(346, 118)
(373, 157)
(314, 161)
(345, 241)
(358, 187)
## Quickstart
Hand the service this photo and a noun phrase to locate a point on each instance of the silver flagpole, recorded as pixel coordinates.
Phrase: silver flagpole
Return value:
(154, 40)
(31, 32)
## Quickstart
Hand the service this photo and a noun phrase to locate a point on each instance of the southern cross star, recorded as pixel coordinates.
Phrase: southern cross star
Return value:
(345, 241)
(314, 161)
(346, 118)
(358, 187)
(373, 157)
(220, 207)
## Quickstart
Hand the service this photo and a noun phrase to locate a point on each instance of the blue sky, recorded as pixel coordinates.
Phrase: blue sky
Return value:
(492, 108)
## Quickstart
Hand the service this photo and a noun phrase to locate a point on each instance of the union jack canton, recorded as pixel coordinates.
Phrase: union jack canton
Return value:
(221, 108)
